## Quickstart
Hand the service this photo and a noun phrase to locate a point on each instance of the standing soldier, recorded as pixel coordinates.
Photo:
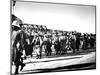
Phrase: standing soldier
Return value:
(18, 60)
(49, 44)
(30, 45)
(63, 45)
(73, 43)
(92, 41)
(77, 41)
(85, 42)
(38, 47)
(48, 47)
(57, 46)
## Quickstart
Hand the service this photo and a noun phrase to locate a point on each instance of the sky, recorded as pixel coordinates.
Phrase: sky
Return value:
(65, 17)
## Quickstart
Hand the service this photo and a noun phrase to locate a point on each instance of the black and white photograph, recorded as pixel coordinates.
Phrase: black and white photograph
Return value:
(51, 37)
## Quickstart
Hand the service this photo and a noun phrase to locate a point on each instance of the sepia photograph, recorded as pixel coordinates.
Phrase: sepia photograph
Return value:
(51, 37)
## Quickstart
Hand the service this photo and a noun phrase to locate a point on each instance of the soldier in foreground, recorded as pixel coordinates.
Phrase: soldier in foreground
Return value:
(18, 50)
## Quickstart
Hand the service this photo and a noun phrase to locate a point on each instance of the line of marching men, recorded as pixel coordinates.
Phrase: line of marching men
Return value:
(39, 43)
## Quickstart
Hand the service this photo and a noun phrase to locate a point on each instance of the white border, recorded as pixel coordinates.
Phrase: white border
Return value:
(5, 37)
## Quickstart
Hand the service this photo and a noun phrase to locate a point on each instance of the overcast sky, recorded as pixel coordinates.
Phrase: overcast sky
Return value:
(57, 16)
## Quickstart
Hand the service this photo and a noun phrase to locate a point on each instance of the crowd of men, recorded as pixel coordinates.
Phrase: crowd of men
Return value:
(40, 40)
(47, 40)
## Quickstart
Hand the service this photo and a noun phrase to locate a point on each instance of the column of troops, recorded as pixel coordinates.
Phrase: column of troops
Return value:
(38, 40)
(35, 38)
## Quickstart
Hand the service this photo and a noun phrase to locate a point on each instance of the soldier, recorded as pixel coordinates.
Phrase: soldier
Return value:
(48, 47)
(85, 42)
(57, 46)
(37, 47)
(30, 45)
(18, 50)
(63, 44)
(49, 44)
(77, 41)
(92, 40)
(73, 43)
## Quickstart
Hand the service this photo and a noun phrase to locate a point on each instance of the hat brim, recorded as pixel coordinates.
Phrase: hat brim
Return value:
(15, 27)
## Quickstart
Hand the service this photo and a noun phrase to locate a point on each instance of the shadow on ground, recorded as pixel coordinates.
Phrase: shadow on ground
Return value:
(87, 66)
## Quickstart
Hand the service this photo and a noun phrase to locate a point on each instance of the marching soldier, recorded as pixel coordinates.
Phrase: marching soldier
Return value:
(57, 46)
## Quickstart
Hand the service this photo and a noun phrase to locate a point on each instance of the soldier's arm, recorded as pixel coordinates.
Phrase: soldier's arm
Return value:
(16, 40)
